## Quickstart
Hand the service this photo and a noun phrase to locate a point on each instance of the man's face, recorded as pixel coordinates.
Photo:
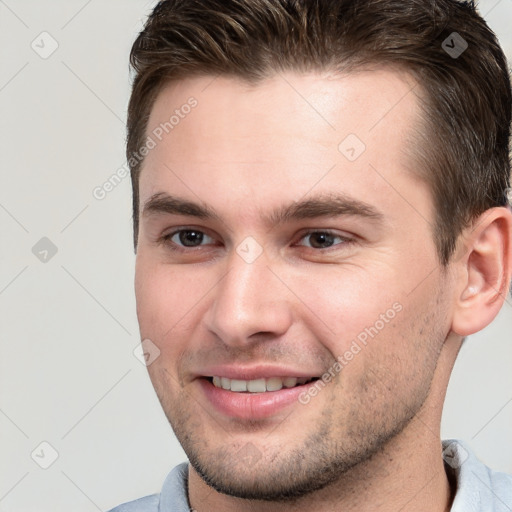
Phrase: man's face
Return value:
(276, 248)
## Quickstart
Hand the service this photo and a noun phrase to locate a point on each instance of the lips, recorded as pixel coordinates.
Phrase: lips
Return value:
(254, 398)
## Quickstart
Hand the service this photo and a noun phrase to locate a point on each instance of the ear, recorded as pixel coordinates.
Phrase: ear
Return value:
(483, 270)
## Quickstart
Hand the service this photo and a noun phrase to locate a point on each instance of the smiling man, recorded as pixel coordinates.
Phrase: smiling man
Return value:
(320, 208)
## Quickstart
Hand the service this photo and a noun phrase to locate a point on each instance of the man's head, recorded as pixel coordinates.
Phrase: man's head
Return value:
(326, 206)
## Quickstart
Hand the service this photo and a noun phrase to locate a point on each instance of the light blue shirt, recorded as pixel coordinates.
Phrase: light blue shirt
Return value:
(479, 489)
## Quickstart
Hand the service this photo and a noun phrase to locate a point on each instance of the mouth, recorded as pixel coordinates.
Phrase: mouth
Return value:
(261, 385)
(256, 392)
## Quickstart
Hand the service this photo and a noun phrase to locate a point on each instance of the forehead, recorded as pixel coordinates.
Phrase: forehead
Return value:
(316, 106)
(281, 138)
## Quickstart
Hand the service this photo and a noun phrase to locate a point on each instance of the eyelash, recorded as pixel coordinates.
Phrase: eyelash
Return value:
(344, 241)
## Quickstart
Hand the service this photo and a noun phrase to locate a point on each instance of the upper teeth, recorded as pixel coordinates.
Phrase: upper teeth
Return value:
(258, 385)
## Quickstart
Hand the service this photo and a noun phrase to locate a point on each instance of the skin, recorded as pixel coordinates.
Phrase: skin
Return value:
(370, 439)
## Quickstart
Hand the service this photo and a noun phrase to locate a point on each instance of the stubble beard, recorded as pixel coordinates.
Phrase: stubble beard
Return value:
(323, 457)
(354, 425)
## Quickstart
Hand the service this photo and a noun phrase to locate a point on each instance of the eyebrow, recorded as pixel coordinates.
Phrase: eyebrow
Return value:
(162, 203)
(331, 205)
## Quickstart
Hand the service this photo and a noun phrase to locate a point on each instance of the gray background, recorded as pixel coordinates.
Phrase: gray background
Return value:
(68, 374)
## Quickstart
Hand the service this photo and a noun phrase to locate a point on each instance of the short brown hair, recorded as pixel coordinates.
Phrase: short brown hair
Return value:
(463, 151)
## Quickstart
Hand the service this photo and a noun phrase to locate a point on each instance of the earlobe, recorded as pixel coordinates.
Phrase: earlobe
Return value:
(484, 271)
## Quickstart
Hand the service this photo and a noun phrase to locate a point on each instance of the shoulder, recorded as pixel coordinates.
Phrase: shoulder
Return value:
(479, 488)
(500, 486)
(147, 504)
(173, 496)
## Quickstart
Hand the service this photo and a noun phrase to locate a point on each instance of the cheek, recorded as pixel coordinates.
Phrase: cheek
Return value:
(170, 304)
(165, 297)
(355, 304)
(377, 329)
(402, 358)
(149, 292)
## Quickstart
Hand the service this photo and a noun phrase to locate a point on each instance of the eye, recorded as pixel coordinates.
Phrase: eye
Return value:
(189, 238)
(322, 240)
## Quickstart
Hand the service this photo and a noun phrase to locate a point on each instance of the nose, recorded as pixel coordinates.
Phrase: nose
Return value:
(251, 303)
